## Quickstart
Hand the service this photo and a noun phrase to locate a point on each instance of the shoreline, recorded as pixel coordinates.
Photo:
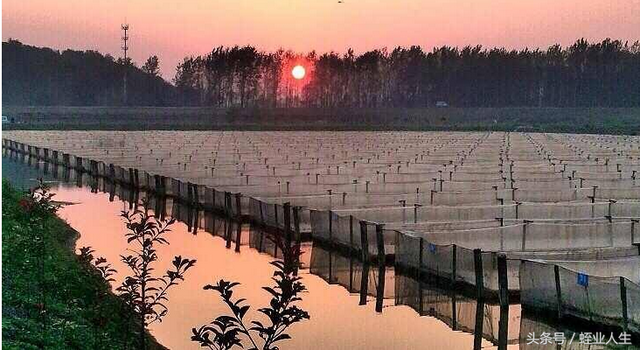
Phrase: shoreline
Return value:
(71, 304)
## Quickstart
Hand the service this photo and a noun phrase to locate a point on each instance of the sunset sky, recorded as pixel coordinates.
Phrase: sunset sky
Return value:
(173, 29)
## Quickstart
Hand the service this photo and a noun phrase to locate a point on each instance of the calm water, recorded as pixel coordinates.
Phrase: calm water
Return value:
(338, 320)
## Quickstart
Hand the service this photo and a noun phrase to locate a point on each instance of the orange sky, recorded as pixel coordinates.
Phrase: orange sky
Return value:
(175, 28)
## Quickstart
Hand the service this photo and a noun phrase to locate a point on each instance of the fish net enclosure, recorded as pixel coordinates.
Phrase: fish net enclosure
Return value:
(428, 199)
(352, 274)
(460, 313)
(395, 178)
(556, 289)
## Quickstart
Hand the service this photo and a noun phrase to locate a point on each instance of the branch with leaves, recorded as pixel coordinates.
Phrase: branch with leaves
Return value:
(40, 200)
(100, 264)
(228, 331)
(145, 293)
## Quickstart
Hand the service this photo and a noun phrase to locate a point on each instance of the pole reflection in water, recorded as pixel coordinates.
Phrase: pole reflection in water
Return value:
(352, 305)
(367, 280)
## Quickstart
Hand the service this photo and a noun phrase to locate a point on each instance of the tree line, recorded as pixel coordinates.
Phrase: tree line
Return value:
(584, 74)
(602, 74)
(44, 77)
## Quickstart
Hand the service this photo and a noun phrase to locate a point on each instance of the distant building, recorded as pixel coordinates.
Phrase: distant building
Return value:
(442, 104)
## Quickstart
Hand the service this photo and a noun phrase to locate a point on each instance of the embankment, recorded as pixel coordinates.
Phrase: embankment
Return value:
(50, 298)
(569, 120)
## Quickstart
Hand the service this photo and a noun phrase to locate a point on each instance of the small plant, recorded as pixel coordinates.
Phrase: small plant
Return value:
(144, 293)
(40, 200)
(226, 332)
(100, 264)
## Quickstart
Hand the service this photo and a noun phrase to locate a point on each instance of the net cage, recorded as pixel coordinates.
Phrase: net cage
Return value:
(521, 193)
(605, 300)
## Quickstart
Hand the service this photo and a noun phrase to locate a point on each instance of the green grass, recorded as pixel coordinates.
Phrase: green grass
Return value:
(70, 306)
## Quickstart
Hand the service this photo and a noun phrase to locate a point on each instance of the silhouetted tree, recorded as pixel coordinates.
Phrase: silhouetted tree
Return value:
(604, 74)
(152, 66)
(43, 77)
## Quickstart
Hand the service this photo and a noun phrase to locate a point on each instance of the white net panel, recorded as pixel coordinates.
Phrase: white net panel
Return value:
(633, 305)
(320, 224)
(538, 286)
(589, 297)
(408, 250)
(465, 266)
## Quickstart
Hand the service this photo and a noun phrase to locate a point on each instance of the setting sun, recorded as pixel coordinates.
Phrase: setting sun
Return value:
(298, 72)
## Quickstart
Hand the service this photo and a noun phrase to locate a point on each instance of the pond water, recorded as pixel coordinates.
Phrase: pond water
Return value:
(339, 320)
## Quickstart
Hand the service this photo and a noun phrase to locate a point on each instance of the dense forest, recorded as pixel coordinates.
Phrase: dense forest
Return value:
(43, 77)
(603, 74)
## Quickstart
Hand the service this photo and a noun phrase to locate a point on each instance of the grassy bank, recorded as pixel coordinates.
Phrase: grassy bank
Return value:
(570, 120)
(51, 298)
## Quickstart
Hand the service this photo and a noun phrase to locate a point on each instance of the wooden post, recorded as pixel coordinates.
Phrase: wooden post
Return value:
(611, 202)
(261, 214)
(228, 233)
(238, 206)
(157, 205)
(503, 327)
(189, 216)
(477, 262)
(479, 325)
(503, 283)
(454, 307)
(623, 299)
(195, 196)
(287, 227)
(380, 288)
(275, 210)
(227, 204)
(190, 193)
(238, 236)
(454, 263)
(556, 271)
(156, 181)
(79, 166)
(196, 220)
(261, 244)
(380, 244)
(330, 226)
(178, 192)
(296, 224)
(330, 260)
(364, 242)
(364, 282)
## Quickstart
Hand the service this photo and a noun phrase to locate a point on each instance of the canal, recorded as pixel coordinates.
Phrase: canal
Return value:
(414, 314)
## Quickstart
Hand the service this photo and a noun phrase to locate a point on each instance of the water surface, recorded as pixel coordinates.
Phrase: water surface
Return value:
(335, 285)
